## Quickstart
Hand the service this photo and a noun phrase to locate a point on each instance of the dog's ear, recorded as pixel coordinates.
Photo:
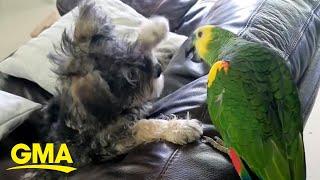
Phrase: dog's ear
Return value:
(152, 32)
(89, 23)
(91, 26)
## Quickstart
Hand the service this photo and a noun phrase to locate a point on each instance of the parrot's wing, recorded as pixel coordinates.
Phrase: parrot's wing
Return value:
(287, 106)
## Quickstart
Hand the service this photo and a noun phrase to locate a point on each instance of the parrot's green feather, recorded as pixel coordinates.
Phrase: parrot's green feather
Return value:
(256, 108)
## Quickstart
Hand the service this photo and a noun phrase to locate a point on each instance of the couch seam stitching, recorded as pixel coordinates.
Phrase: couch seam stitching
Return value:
(168, 163)
(156, 8)
(251, 18)
(295, 43)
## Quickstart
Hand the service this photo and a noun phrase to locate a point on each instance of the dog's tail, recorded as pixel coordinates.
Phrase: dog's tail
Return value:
(90, 24)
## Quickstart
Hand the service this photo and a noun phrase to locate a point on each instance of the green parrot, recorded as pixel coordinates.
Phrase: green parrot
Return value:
(254, 103)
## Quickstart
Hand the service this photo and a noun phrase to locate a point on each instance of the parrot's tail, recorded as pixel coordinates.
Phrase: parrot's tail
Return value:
(238, 165)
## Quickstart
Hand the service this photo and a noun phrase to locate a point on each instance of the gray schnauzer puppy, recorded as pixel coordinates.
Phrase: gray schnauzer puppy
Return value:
(108, 85)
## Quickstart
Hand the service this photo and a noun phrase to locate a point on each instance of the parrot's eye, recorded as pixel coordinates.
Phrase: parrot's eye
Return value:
(199, 34)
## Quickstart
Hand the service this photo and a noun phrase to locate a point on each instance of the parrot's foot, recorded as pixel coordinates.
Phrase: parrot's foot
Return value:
(216, 67)
(217, 144)
(218, 140)
(234, 157)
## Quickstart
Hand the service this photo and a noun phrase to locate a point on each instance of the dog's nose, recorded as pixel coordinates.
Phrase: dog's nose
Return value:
(157, 70)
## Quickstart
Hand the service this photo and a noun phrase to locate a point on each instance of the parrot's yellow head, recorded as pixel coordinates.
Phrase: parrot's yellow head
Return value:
(208, 41)
(201, 40)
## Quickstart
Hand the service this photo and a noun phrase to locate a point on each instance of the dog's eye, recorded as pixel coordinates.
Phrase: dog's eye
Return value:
(146, 58)
(146, 65)
(143, 68)
(96, 38)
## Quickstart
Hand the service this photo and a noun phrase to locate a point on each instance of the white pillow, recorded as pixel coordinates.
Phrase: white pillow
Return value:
(30, 60)
(13, 111)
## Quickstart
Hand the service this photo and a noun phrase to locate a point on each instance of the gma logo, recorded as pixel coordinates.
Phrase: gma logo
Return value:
(36, 158)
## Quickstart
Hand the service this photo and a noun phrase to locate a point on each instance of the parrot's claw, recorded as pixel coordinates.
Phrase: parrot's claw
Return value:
(217, 144)
(218, 140)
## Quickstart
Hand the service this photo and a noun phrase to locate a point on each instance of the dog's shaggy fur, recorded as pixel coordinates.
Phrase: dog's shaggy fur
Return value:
(107, 85)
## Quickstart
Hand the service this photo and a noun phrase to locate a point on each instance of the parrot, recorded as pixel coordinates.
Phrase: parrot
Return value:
(254, 104)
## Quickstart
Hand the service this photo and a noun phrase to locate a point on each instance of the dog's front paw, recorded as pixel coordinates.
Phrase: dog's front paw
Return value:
(182, 131)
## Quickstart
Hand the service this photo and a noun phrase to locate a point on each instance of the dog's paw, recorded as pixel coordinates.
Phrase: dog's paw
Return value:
(182, 131)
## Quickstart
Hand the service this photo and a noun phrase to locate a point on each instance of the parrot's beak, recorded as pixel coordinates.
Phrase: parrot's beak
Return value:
(192, 50)
(193, 37)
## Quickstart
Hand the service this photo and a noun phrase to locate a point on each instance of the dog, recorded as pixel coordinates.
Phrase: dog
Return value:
(107, 88)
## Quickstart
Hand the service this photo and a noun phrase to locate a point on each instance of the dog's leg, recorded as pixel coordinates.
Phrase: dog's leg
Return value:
(178, 131)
